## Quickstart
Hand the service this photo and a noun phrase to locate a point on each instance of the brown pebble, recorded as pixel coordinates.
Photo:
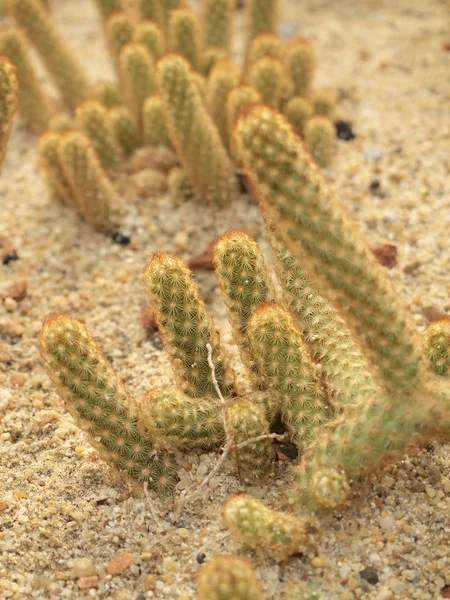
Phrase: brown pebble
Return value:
(432, 313)
(386, 255)
(148, 319)
(204, 260)
(18, 291)
(119, 563)
(3, 505)
(88, 582)
(445, 592)
(446, 46)
(411, 267)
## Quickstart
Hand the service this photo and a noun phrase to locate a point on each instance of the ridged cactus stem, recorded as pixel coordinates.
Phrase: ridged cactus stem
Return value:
(265, 44)
(124, 129)
(245, 283)
(53, 171)
(223, 77)
(267, 75)
(226, 578)
(320, 133)
(238, 97)
(153, 10)
(150, 35)
(261, 16)
(436, 344)
(186, 327)
(300, 62)
(217, 22)
(62, 64)
(9, 90)
(119, 30)
(318, 231)
(153, 123)
(185, 35)
(137, 77)
(106, 7)
(99, 402)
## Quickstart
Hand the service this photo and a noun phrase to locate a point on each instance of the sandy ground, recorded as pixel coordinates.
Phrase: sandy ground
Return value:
(63, 513)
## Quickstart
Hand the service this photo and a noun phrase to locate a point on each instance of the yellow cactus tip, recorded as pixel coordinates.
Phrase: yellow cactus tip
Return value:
(329, 488)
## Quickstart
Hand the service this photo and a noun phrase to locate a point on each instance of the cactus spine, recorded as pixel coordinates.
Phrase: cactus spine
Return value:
(99, 402)
(436, 343)
(9, 88)
(217, 21)
(319, 139)
(226, 578)
(93, 120)
(185, 35)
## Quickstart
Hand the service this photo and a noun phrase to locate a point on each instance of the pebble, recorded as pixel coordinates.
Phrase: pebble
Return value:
(119, 563)
(88, 582)
(344, 571)
(83, 567)
(369, 575)
(387, 523)
(10, 304)
(409, 574)
(318, 562)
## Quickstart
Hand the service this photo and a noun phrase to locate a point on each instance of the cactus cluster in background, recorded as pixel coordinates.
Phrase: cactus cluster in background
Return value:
(9, 90)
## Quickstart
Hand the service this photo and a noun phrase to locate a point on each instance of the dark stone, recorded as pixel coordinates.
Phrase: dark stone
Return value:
(289, 450)
(120, 237)
(182, 524)
(201, 558)
(344, 130)
(7, 258)
(370, 575)
(374, 185)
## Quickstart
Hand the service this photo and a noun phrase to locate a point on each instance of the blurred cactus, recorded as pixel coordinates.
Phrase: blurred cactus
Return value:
(261, 17)
(185, 35)
(217, 19)
(106, 7)
(238, 97)
(266, 75)
(61, 122)
(228, 578)
(211, 56)
(324, 101)
(436, 343)
(9, 91)
(107, 93)
(265, 44)
(119, 29)
(319, 135)
(93, 120)
(137, 77)
(151, 36)
(223, 77)
(52, 169)
(124, 129)
(300, 63)
(153, 123)
(298, 110)
(179, 186)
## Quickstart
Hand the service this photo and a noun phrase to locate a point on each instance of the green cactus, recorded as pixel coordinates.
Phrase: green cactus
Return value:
(211, 56)
(137, 76)
(9, 92)
(93, 120)
(261, 17)
(186, 327)
(217, 23)
(436, 344)
(124, 129)
(35, 107)
(319, 135)
(61, 63)
(324, 101)
(298, 110)
(238, 97)
(265, 44)
(150, 35)
(179, 187)
(61, 122)
(318, 232)
(267, 76)
(153, 10)
(119, 31)
(107, 93)
(223, 77)
(153, 123)
(185, 35)
(228, 578)
(275, 533)
(106, 7)
(300, 61)
(53, 171)
(98, 400)
(197, 141)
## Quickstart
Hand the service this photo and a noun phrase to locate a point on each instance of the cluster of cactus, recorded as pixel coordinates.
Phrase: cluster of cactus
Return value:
(177, 86)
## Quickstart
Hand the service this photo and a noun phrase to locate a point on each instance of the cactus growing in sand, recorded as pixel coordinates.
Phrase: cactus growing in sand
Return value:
(8, 101)
(436, 344)
(93, 120)
(319, 139)
(124, 129)
(226, 578)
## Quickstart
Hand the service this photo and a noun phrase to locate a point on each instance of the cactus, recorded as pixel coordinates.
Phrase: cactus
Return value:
(106, 7)
(324, 101)
(151, 36)
(186, 327)
(200, 84)
(61, 122)
(124, 129)
(34, 107)
(185, 35)
(223, 77)
(119, 30)
(266, 75)
(226, 578)
(275, 533)
(211, 56)
(62, 64)
(298, 110)
(9, 88)
(179, 186)
(300, 61)
(154, 126)
(137, 76)
(107, 93)
(194, 136)
(93, 120)
(98, 400)
(51, 166)
(436, 344)
(95, 196)
(217, 22)
(238, 97)
(319, 139)
(318, 232)
(265, 44)
(261, 17)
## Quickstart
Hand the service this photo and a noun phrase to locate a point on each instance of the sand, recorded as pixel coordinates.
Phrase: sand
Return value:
(63, 513)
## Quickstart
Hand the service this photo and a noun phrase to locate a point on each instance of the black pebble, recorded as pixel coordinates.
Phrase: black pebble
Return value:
(182, 523)
(119, 237)
(374, 185)
(10, 257)
(201, 558)
(344, 131)
(289, 450)
(140, 597)
(370, 575)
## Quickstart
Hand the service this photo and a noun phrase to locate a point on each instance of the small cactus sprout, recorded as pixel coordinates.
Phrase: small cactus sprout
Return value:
(267, 75)
(198, 144)
(61, 122)
(186, 327)
(217, 22)
(436, 342)
(124, 129)
(319, 135)
(179, 421)
(57, 56)
(317, 230)
(324, 101)
(179, 187)
(288, 372)
(51, 166)
(228, 578)
(238, 97)
(265, 44)
(300, 64)
(185, 35)
(153, 123)
(150, 35)
(223, 77)
(211, 56)
(98, 400)
(106, 7)
(93, 120)
(261, 16)
(94, 193)
(119, 30)
(137, 77)
(276, 533)
(35, 107)
(245, 283)
(9, 88)
(298, 110)
(107, 93)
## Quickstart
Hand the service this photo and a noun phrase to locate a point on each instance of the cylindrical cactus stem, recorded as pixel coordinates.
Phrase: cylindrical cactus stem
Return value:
(53, 171)
(272, 533)
(211, 56)
(261, 16)
(150, 35)
(106, 7)
(152, 10)
(153, 123)
(64, 67)
(287, 369)
(186, 327)
(9, 94)
(93, 120)
(324, 101)
(200, 84)
(436, 345)
(107, 93)
(124, 129)
(300, 61)
(246, 419)
(245, 283)
(179, 421)
(217, 22)
(185, 35)
(223, 77)
(98, 400)
(228, 577)
(265, 44)
(96, 197)
(267, 76)
(61, 122)
(238, 97)
(320, 135)
(119, 31)
(318, 231)
(35, 107)
(298, 110)
(179, 187)
(344, 370)
(197, 141)
(137, 77)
